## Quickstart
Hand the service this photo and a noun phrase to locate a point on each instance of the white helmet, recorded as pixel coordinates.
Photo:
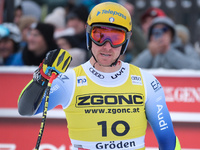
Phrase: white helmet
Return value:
(11, 31)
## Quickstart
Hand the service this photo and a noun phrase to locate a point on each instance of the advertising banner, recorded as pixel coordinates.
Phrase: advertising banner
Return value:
(182, 91)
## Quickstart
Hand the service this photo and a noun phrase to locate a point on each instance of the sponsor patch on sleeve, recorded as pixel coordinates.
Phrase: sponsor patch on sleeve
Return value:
(156, 85)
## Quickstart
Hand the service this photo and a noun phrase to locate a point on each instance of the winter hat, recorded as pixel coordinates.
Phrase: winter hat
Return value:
(152, 12)
(81, 12)
(183, 32)
(31, 8)
(46, 30)
(11, 31)
(26, 21)
(66, 32)
(57, 17)
(162, 20)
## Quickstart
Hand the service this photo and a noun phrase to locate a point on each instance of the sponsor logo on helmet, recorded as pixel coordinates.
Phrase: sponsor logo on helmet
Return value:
(111, 19)
(98, 13)
(111, 12)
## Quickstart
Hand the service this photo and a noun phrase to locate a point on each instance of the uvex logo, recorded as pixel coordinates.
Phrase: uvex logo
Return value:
(119, 73)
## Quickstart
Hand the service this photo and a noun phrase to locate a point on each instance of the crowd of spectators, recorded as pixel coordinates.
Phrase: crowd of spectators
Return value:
(165, 49)
(157, 41)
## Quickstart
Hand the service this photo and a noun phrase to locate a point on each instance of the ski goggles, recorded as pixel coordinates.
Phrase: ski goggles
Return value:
(100, 34)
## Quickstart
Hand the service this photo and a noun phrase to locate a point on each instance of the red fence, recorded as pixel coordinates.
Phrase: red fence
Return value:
(182, 90)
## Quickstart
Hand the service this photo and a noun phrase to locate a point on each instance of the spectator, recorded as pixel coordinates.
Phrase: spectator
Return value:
(197, 36)
(164, 50)
(69, 6)
(184, 34)
(56, 18)
(70, 43)
(10, 38)
(31, 8)
(66, 40)
(77, 19)
(27, 8)
(148, 16)
(24, 26)
(40, 40)
(18, 13)
(137, 42)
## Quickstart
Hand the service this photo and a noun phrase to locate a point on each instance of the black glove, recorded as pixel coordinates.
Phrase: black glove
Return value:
(56, 61)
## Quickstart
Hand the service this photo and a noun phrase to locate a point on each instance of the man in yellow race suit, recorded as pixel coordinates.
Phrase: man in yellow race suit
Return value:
(107, 102)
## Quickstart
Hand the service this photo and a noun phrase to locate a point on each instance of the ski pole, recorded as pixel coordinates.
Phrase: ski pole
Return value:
(53, 76)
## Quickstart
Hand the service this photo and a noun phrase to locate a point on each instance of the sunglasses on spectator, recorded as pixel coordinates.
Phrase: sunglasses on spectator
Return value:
(158, 32)
(100, 34)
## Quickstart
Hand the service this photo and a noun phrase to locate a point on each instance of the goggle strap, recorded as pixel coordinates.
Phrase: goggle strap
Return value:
(124, 46)
(129, 34)
(88, 29)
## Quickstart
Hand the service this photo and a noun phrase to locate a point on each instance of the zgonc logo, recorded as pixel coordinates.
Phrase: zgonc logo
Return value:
(182, 94)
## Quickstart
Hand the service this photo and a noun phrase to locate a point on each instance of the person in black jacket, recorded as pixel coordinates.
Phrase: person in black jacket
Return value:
(39, 42)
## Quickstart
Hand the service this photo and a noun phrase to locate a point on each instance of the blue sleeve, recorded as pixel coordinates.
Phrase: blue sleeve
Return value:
(157, 113)
(61, 92)
(17, 59)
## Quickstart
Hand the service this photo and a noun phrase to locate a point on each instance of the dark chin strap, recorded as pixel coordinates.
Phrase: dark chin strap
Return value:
(113, 64)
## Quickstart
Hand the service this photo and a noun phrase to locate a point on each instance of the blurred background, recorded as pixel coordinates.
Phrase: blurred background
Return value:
(31, 28)
(186, 12)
